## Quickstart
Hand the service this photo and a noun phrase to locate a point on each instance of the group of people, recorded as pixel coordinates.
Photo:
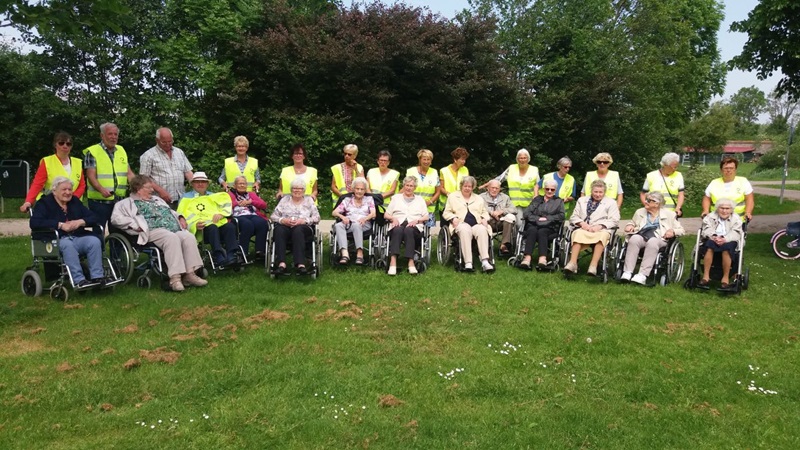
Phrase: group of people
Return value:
(159, 211)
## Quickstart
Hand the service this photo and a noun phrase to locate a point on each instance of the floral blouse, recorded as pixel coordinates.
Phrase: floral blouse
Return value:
(287, 209)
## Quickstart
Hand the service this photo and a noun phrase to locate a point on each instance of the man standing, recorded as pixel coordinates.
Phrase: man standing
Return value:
(107, 173)
(168, 167)
(502, 212)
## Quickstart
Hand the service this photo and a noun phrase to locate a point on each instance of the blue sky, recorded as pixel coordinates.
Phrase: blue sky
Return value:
(730, 44)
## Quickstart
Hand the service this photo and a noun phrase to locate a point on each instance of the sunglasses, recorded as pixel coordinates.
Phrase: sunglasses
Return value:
(603, 162)
(348, 154)
(566, 167)
(68, 144)
(651, 200)
(550, 189)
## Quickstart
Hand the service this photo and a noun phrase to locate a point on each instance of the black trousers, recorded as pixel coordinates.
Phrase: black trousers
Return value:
(215, 237)
(299, 235)
(410, 236)
(535, 235)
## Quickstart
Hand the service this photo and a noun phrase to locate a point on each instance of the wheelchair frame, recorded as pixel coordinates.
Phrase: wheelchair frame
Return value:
(608, 260)
(740, 280)
(315, 270)
(668, 266)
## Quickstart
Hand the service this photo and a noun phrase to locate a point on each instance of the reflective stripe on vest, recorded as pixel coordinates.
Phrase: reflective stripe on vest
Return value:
(656, 184)
(611, 180)
(232, 171)
(450, 182)
(288, 175)
(338, 177)
(379, 184)
(106, 170)
(425, 188)
(56, 169)
(520, 188)
(736, 194)
(567, 185)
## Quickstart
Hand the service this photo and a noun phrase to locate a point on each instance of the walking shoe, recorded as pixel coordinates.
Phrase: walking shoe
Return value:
(190, 279)
(412, 270)
(626, 276)
(486, 266)
(639, 279)
(175, 283)
(571, 267)
(592, 271)
(392, 270)
(468, 267)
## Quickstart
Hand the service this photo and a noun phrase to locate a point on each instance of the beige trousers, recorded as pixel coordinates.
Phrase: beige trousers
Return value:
(180, 250)
(465, 235)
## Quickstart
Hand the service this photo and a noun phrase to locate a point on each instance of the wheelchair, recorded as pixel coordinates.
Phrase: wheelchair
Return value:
(554, 254)
(422, 257)
(376, 237)
(47, 258)
(497, 236)
(448, 248)
(608, 261)
(739, 279)
(313, 253)
(129, 257)
(668, 267)
(208, 253)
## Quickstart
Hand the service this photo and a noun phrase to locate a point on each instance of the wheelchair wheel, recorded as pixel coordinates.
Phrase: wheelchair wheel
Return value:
(443, 248)
(31, 283)
(59, 292)
(675, 263)
(746, 278)
(143, 282)
(663, 280)
(120, 253)
(780, 245)
(512, 262)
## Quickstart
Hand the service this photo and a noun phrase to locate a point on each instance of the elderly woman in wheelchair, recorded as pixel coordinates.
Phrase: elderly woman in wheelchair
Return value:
(543, 218)
(722, 232)
(650, 229)
(468, 218)
(295, 218)
(594, 222)
(355, 214)
(150, 220)
(406, 214)
(64, 213)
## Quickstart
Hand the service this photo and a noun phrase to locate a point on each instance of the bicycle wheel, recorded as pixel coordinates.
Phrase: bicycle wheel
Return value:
(785, 245)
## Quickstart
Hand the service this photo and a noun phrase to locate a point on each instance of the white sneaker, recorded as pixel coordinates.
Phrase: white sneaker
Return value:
(571, 267)
(639, 279)
(592, 270)
(487, 267)
(392, 270)
(626, 276)
(412, 270)
(468, 267)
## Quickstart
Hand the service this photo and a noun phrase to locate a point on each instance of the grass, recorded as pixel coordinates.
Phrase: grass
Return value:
(794, 187)
(774, 175)
(311, 364)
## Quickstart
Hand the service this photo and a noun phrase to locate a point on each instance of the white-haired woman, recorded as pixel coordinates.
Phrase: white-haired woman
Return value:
(543, 217)
(593, 220)
(613, 183)
(60, 210)
(648, 230)
(566, 187)
(522, 179)
(407, 214)
(355, 214)
(250, 210)
(668, 182)
(469, 219)
(722, 230)
(294, 216)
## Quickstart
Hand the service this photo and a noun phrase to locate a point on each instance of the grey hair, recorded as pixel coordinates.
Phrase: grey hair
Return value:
(723, 202)
(243, 178)
(360, 180)
(106, 126)
(550, 182)
(298, 183)
(493, 182)
(158, 132)
(604, 156)
(525, 152)
(468, 179)
(598, 183)
(670, 158)
(657, 196)
(410, 179)
(563, 162)
(60, 180)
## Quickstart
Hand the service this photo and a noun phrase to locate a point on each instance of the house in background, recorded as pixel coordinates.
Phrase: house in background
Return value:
(744, 151)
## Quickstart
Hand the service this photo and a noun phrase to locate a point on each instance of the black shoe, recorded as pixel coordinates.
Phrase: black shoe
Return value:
(84, 284)
(279, 270)
(259, 256)
(99, 281)
(302, 270)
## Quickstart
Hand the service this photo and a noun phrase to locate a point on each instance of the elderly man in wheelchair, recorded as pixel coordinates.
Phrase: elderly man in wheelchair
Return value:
(65, 214)
(650, 230)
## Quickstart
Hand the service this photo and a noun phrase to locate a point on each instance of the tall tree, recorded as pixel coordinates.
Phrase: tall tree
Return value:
(712, 130)
(773, 43)
(747, 104)
(782, 110)
(66, 16)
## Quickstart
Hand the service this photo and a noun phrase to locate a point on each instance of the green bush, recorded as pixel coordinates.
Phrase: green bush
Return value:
(774, 158)
(696, 180)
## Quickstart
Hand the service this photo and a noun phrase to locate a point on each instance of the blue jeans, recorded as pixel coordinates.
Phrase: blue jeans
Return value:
(72, 247)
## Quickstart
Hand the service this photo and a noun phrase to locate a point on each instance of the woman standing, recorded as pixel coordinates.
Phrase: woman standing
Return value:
(427, 186)
(451, 176)
(383, 180)
(298, 169)
(668, 182)
(611, 178)
(241, 165)
(345, 172)
(522, 179)
(59, 164)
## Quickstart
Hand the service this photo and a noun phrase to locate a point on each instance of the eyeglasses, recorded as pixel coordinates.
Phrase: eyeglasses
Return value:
(68, 144)
(550, 189)
(348, 154)
(651, 200)
(566, 167)
(603, 162)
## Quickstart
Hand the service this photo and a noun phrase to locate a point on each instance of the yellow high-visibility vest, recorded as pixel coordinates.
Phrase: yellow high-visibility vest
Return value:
(612, 183)
(109, 172)
(288, 175)
(520, 187)
(379, 184)
(670, 189)
(232, 171)
(202, 208)
(56, 169)
(450, 181)
(338, 177)
(426, 188)
(566, 189)
(734, 192)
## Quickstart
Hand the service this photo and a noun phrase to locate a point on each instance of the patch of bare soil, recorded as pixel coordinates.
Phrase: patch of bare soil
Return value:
(132, 328)
(106, 406)
(705, 406)
(131, 364)
(38, 330)
(389, 401)
(108, 351)
(161, 354)
(194, 314)
(267, 315)
(73, 306)
(17, 347)
(65, 367)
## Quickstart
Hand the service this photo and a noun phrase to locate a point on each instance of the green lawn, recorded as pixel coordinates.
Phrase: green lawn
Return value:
(250, 362)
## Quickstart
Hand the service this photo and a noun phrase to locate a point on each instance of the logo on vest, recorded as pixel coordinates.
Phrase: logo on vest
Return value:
(201, 207)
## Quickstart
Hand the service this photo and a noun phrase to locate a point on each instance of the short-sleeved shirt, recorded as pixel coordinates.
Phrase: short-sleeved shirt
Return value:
(168, 172)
